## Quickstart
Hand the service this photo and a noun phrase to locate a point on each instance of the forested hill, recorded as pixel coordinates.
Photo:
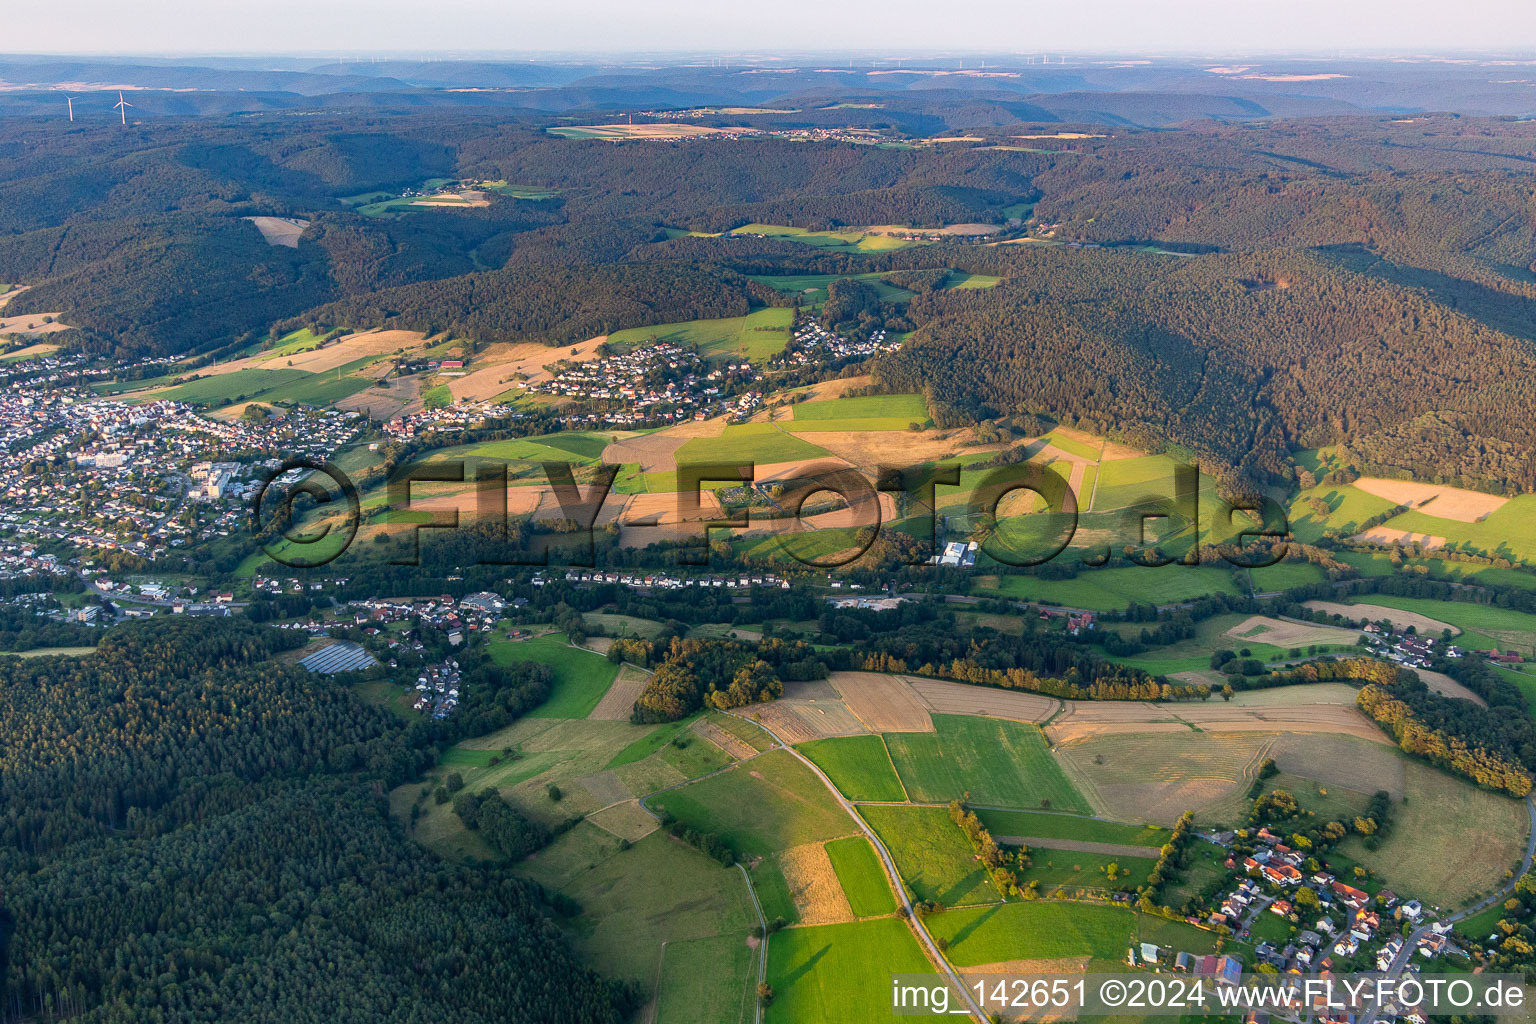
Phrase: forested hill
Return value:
(193, 831)
(1239, 358)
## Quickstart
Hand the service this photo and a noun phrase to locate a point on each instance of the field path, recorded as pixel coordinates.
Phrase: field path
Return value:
(893, 878)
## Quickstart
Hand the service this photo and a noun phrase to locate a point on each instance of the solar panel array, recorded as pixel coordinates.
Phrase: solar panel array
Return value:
(342, 656)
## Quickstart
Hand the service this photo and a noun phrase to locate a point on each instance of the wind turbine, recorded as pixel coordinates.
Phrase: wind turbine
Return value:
(121, 106)
(71, 101)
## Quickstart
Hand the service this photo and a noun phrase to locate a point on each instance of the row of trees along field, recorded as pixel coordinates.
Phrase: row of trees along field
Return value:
(192, 830)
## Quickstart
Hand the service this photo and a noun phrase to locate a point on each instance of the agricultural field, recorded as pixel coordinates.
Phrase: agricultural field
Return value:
(758, 443)
(862, 876)
(812, 288)
(1114, 589)
(1449, 841)
(640, 901)
(754, 337)
(934, 857)
(841, 973)
(708, 981)
(858, 765)
(1264, 639)
(1071, 828)
(1075, 869)
(581, 677)
(762, 806)
(1034, 930)
(848, 240)
(999, 763)
(890, 412)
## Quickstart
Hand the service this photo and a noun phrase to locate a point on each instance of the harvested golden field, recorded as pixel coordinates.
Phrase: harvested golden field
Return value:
(29, 351)
(621, 696)
(1155, 777)
(502, 365)
(798, 721)
(731, 744)
(1432, 499)
(653, 453)
(1387, 535)
(32, 324)
(665, 509)
(870, 448)
(884, 703)
(950, 698)
(1281, 633)
(1376, 612)
(606, 788)
(627, 820)
(1308, 693)
(1347, 762)
(813, 885)
(1444, 684)
(1327, 713)
(280, 230)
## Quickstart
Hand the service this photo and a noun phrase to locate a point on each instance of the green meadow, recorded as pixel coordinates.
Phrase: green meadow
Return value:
(934, 857)
(998, 762)
(754, 337)
(858, 766)
(861, 875)
(581, 677)
(841, 973)
(761, 443)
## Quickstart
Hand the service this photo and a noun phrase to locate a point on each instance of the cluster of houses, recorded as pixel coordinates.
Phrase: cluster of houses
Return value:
(437, 690)
(656, 382)
(667, 581)
(814, 343)
(1349, 920)
(1410, 649)
(1077, 621)
(445, 419)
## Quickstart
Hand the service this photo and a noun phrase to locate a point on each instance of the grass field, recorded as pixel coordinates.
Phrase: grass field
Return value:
(1070, 827)
(768, 804)
(634, 901)
(581, 677)
(1509, 531)
(1348, 508)
(858, 765)
(1073, 869)
(1449, 840)
(840, 973)
(932, 854)
(754, 337)
(1034, 930)
(1114, 589)
(1000, 763)
(707, 981)
(760, 443)
(861, 876)
(851, 240)
(1286, 575)
(812, 288)
(903, 408)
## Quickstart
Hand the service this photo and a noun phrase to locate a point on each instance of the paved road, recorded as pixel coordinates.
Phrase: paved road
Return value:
(895, 876)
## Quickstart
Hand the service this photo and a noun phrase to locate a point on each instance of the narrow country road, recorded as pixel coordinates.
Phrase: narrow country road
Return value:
(890, 867)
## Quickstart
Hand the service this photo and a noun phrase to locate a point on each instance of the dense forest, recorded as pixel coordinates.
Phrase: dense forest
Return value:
(193, 830)
(1312, 282)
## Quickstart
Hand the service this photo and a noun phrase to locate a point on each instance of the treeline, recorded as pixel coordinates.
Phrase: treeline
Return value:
(1408, 711)
(999, 861)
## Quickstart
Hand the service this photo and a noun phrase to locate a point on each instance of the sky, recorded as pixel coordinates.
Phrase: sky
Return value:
(448, 27)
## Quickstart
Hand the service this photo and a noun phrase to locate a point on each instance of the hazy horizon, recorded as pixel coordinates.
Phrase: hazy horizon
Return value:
(1181, 28)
